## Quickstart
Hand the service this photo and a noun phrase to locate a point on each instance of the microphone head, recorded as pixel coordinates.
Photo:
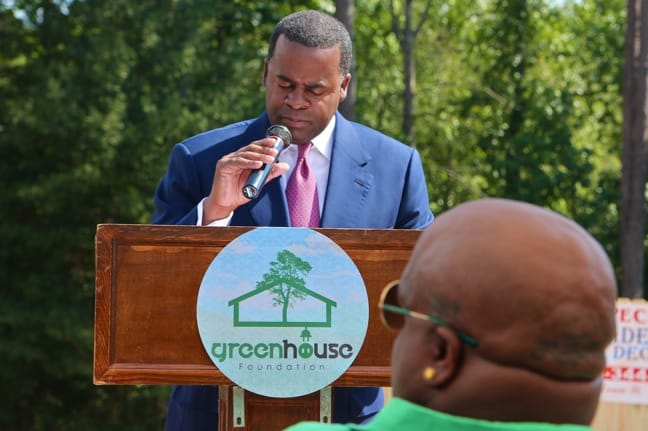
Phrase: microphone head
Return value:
(281, 132)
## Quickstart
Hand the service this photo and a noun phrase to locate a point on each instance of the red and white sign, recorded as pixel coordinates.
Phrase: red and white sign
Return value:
(626, 373)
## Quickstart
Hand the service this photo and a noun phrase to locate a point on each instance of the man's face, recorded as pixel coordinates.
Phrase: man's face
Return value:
(303, 87)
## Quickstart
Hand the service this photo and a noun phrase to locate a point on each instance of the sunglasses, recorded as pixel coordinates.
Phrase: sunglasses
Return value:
(393, 315)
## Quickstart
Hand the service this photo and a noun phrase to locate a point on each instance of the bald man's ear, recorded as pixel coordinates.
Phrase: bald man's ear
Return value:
(446, 357)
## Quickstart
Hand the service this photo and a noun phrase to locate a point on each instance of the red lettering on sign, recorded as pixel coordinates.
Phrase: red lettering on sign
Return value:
(629, 315)
(626, 374)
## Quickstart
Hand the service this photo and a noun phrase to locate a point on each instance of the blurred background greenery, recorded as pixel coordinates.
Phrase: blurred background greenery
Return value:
(512, 98)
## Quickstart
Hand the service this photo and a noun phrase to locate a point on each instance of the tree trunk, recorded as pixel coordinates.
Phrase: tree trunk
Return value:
(406, 35)
(519, 16)
(409, 66)
(633, 157)
(345, 12)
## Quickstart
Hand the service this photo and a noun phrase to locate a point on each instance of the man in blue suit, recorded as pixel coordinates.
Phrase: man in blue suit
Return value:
(364, 178)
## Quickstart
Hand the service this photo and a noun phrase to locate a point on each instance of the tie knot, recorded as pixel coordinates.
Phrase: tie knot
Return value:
(302, 150)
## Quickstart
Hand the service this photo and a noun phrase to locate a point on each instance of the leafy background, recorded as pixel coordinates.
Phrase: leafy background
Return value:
(520, 99)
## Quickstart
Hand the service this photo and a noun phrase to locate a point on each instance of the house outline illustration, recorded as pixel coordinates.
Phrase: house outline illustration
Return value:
(236, 302)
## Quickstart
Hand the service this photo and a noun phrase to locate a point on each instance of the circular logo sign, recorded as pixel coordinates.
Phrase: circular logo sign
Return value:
(282, 312)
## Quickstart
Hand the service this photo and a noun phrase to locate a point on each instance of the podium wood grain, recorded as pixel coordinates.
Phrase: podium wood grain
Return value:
(147, 281)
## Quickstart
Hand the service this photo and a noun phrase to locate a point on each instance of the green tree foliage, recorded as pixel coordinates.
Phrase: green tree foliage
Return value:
(92, 95)
(519, 99)
(514, 98)
(285, 280)
(593, 65)
(529, 153)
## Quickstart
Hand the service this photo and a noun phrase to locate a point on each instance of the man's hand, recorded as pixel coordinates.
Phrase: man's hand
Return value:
(232, 172)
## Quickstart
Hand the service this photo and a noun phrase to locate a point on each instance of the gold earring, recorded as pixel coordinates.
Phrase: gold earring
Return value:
(428, 374)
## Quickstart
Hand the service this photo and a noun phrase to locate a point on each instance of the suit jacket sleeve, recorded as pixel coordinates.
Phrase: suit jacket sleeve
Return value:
(191, 169)
(179, 191)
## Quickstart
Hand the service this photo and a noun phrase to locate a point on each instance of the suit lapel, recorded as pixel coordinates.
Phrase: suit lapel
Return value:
(349, 180)
(348, 184)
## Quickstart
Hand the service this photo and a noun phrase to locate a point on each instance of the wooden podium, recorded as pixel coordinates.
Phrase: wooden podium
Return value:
(147, 282)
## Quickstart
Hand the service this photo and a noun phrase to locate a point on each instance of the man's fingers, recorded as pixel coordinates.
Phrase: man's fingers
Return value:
(278, 169)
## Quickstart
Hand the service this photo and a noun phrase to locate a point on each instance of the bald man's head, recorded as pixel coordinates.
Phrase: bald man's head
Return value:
(532, 287)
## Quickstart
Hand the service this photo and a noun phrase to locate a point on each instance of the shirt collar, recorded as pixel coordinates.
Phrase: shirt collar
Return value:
(324, 141)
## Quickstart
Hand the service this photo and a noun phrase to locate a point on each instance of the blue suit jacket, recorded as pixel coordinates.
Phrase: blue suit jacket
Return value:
(374, 182)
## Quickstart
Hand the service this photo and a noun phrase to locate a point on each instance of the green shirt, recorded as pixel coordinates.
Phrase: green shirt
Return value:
(400, 415)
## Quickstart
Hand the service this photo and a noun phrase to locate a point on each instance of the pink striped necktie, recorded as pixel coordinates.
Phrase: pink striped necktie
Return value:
(301, 192)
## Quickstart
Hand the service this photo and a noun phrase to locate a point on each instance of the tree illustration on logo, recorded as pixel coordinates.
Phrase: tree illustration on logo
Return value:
(285, 280)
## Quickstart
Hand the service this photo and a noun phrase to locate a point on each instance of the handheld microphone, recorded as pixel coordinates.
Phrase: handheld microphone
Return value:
(283, 138)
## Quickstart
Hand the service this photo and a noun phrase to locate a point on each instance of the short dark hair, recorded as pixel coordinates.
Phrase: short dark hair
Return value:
(316, 30)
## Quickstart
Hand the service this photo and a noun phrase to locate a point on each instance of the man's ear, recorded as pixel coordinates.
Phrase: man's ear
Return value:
(446, 359)
(344, 87)
(265, 73)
